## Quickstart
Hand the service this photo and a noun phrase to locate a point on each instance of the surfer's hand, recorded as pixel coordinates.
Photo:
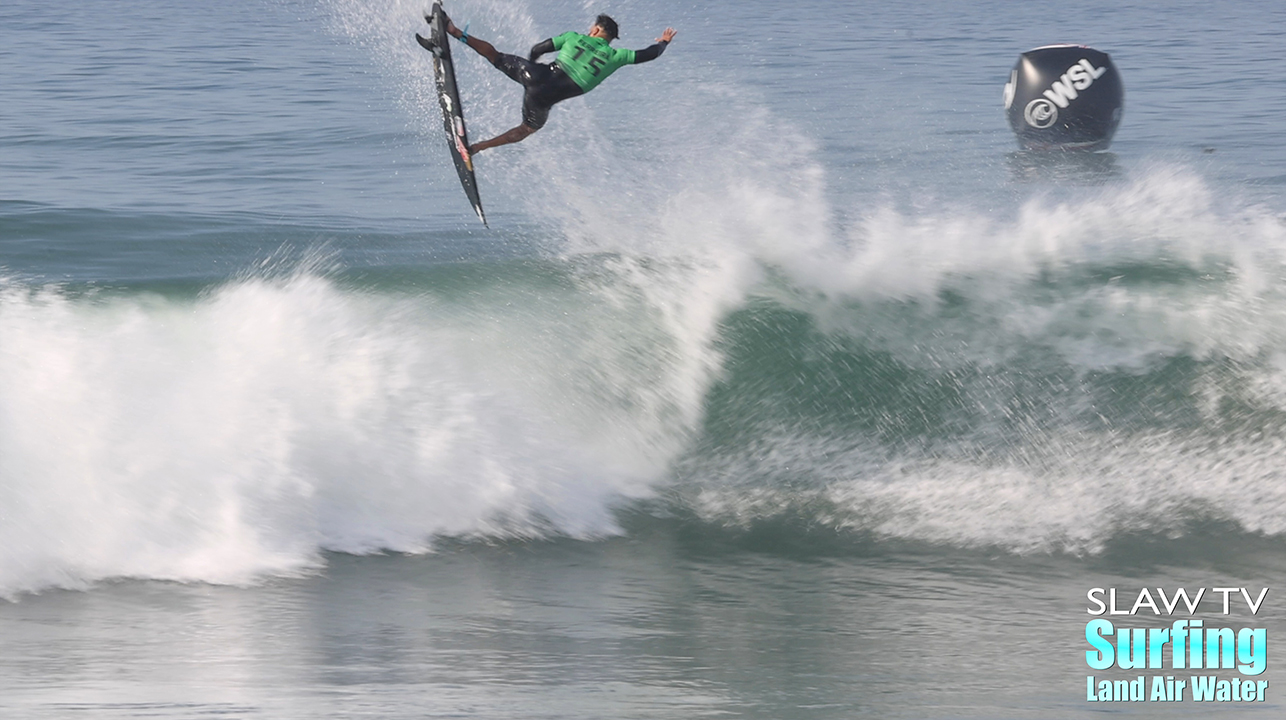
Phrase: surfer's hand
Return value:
(667, 36)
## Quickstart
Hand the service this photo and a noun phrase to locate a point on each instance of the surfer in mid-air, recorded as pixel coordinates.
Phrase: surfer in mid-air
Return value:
(583, 62)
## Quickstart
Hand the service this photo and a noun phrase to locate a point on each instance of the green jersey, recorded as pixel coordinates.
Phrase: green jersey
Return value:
(589, 60)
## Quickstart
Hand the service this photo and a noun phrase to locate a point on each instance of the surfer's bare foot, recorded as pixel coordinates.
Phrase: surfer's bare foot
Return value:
(452, 30)
(474, 150)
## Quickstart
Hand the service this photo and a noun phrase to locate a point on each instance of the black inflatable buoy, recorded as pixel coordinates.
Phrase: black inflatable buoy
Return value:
(1064, 97)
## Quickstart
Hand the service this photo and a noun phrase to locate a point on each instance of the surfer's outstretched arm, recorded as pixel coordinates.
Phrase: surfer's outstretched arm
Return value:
(653, 52)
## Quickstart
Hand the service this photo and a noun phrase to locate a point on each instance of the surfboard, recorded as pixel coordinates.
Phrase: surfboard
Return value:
(449, 99)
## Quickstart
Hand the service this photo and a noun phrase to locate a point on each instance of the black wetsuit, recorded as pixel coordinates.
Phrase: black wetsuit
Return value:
(547, 84)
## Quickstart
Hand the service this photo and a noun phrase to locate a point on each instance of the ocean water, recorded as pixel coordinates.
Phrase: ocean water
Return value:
(782, 386)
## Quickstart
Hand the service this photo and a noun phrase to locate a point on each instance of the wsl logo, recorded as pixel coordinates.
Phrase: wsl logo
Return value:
(1041, 113)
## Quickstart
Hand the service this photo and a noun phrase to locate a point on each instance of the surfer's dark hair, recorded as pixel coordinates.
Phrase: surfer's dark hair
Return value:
(608, 24)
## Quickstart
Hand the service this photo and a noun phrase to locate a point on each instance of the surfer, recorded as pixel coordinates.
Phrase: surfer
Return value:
(583, 62)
